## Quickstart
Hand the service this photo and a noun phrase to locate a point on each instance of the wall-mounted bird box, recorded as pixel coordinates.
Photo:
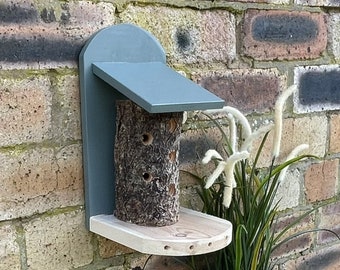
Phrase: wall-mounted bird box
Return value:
(132, 105)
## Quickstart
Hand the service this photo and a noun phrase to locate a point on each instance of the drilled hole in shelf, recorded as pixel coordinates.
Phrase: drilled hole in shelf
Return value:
(191, 247)
(209, 244)
(147, 176)
(147, 139)
(166, 247)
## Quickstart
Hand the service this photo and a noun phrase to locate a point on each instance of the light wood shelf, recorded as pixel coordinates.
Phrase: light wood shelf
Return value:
(195, 233)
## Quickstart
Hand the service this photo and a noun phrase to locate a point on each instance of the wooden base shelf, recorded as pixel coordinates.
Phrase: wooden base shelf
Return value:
(195, 233)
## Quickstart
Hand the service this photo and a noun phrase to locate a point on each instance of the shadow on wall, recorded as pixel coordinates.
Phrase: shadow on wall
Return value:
(42, 45)
(330, 259)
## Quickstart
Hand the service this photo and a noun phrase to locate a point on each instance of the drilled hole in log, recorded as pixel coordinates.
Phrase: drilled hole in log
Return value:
(172, 156)
(172, 189)
(172, 125)
(147, 177)
(147, 139)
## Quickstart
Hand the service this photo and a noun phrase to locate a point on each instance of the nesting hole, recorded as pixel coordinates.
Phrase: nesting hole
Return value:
(147, 176)
(147, 138)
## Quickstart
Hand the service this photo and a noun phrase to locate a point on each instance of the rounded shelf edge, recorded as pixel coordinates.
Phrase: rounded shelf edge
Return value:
(195, 233)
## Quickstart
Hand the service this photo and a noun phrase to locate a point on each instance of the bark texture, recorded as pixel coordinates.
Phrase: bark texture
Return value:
(146, 162)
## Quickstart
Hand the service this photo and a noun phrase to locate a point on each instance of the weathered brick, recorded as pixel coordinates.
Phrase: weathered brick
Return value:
(319, 88)
(325, 259)
(263, 1)
(187, 35)
(295, 244)
(310, 130)
(69, 175)
(247, 90)
(50, 34)
(58, 242)
(334, 134)
(108, 248)
(166, 263)
(25, 109)
(66, 112)
(289, 191)
(9, 249)
(306, 130)
(281, 35)
(330, 219)
(321, 180)
(334, 33)
(36, 180)
(194, 144)
(325, 3)
(282, 2)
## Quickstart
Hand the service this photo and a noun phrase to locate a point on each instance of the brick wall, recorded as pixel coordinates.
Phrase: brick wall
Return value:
(245, 51)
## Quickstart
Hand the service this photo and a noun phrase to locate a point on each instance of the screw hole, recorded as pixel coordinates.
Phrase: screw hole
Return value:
(147, 177)
(147, 139)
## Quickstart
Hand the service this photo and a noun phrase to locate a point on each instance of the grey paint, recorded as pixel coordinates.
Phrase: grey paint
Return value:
(156, 87)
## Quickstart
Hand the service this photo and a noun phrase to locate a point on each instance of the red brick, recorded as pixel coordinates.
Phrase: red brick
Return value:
(296, 244)
(246, 90)
(321, 180)
(277, 45)
(330, 219)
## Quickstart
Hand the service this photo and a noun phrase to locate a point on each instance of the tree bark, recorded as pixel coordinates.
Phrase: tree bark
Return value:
(147, 167)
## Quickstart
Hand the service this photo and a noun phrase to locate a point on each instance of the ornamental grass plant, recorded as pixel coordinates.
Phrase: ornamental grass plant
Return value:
(240, 191)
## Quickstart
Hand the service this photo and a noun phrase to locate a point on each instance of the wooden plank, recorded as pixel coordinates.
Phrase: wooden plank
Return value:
(195, 233)
(156, 87)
